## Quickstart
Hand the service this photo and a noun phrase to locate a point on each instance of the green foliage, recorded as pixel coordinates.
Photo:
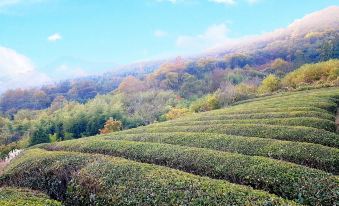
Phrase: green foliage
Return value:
(311, 155)
(24, 197)
(284, 179)
(313, 74)
(283, 144)
(149, 106)
(206, 103)
(300, 134)
(295, 121)
(270, 84)
(81, 179)
(40, 135)
(235, 78)
(240, 122)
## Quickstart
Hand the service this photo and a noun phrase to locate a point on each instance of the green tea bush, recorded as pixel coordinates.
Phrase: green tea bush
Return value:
(301, 121)
(309, 95)
(284, 179)
(240, 110)
(327, 105)
(102, 180)
(311, 155)
(24, 197)
(261, 115)
(299, 134)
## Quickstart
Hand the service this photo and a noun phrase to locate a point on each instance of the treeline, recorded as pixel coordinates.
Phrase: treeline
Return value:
(126, 108)
(71, 120)
(80, 90)
(188, 78)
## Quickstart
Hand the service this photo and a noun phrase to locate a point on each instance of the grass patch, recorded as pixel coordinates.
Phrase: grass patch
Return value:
(24, 197)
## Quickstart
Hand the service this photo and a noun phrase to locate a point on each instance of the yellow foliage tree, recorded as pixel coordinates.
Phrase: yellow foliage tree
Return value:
(310, 74)
(175, 113)
(270, 84)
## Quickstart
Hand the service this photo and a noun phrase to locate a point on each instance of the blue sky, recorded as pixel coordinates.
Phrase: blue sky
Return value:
(46, 32)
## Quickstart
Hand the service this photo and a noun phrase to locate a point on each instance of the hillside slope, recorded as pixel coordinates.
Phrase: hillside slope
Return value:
(284, 146)
(311, 39)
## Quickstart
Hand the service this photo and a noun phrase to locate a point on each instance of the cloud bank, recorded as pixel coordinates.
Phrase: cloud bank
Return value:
(16, 70)
(213, 36)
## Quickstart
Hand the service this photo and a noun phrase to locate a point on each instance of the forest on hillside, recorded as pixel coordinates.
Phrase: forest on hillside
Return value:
(189, 78)
(133, 104)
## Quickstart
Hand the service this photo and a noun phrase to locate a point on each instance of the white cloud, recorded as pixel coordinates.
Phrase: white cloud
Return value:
(213, 36)
(226, 2)
(16, 70)
(160, 33)
(54, 37)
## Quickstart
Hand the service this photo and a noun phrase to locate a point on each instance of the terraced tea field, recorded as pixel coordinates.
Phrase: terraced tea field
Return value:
(275, 150)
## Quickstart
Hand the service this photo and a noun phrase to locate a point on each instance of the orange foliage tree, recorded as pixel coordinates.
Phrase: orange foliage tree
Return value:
(131, 84)
(111, 125)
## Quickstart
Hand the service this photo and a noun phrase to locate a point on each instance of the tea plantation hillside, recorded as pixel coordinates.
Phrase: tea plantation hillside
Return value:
(275, 150)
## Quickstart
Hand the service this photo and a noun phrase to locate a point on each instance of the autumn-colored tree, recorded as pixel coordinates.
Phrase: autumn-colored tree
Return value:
(280, 67)
(175, 113)
(131, 84)
(111, 125)
(178, 65)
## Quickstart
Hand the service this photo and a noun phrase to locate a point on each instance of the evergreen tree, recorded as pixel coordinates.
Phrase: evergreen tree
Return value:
(39, 136)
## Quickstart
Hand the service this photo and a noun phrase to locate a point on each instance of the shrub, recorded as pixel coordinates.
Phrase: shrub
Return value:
(270, 84)
(206, 103)
(323, 72)
(299, 121)
(284, 179)
(229, 93)
(175, 113)
(299, 134)
(312, 155)
(18, 196)
(102, 180)
(235, 110)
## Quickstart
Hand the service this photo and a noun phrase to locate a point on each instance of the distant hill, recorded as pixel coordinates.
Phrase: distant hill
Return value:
(318, 23)
(311, 39)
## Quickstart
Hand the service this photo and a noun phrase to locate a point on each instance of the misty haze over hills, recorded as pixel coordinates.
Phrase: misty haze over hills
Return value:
(319, 22)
